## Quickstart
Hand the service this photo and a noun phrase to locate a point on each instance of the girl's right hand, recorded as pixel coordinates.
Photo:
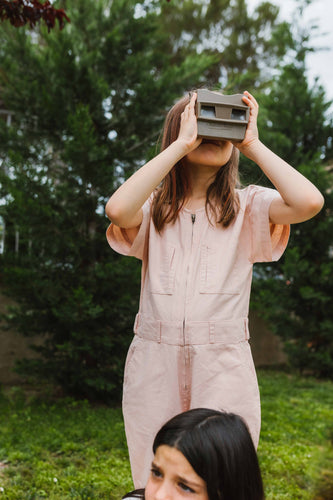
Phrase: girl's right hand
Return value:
(188, 133)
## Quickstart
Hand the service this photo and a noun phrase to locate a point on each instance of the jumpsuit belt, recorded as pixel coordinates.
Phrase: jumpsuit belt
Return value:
(191, 332)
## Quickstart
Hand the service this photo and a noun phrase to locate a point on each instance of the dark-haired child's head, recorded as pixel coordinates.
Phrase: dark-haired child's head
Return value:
(205, 453)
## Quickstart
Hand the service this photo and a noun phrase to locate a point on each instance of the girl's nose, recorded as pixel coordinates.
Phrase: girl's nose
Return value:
(163, 492)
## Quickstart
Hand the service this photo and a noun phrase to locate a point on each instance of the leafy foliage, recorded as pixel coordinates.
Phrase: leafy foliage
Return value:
(248, 47)
(87, 106)
(21, 12)
(298, 128)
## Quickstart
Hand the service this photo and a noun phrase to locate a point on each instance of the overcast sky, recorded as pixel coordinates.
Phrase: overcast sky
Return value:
(321, 12)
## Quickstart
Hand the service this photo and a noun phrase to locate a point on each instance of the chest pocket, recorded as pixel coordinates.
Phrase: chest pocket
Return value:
(219, 272)
(162, 270)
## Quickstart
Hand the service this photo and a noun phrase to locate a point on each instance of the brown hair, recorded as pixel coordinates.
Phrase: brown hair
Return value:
(169, 198)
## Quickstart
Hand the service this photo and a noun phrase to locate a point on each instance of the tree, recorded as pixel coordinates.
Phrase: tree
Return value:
(87, 106)
(298, 129)
(21, 12)
(247, 47)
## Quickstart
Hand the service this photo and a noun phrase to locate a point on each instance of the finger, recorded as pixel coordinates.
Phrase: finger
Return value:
(250, 99)
(254, 110)
(192, 100)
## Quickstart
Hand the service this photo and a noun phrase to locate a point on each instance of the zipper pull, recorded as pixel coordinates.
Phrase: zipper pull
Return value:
(193, 218)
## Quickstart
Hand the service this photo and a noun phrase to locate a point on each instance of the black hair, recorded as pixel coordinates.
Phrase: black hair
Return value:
(219, 448)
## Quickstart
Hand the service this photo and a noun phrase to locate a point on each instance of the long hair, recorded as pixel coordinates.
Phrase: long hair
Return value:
(169, 198)
(220, 450)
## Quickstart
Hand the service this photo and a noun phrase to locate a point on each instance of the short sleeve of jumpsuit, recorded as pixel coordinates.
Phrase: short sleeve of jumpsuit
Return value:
(190, 347)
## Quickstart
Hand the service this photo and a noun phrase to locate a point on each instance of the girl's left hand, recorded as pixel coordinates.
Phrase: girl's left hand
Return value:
(251, 135)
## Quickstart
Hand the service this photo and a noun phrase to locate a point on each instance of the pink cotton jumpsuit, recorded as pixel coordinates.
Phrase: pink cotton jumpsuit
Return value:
(190, 347)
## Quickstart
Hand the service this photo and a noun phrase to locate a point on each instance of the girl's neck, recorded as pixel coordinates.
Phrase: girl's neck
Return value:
(201, 178)
(194, 204)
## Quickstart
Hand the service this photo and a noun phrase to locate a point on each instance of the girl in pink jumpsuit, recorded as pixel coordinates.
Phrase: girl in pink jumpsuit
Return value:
(198, 236)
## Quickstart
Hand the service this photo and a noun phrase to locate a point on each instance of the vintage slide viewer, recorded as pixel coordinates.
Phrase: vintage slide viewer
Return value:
(221, 116)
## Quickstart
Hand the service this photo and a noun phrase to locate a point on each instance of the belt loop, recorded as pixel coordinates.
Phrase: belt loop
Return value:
(159, 331)
(136, 323)
(211, 333)
(246, 328)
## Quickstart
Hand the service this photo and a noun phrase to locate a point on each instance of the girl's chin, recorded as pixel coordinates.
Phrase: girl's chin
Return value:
(204, 163)
(208, 155)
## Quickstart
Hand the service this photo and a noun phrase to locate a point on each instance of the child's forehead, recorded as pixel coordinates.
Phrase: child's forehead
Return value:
(169, 457)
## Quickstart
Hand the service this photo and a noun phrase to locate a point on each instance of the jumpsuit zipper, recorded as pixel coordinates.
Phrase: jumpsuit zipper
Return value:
(186, 354)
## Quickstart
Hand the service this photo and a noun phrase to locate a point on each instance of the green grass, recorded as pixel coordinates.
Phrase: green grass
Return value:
(295, 449)
(66, 449)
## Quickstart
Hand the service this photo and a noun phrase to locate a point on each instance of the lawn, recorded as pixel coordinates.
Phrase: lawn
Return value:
(63, 449)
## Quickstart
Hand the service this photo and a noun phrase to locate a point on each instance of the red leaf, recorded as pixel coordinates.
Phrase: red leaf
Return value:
(21, 12)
